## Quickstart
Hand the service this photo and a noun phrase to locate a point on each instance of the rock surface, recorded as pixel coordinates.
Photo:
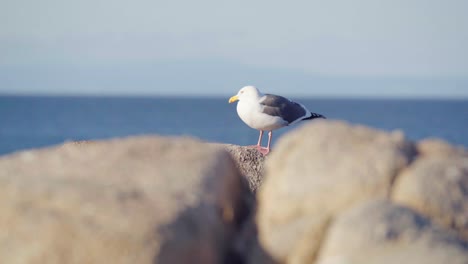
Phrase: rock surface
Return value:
(249, 162)
(134, 200)
(316, 172)
(325, 168)
(333, 193)
(251, 165)
(438, 147)
(437, 187)
(381, 232)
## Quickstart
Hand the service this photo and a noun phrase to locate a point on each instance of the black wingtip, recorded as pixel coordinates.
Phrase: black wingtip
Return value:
(313, 116)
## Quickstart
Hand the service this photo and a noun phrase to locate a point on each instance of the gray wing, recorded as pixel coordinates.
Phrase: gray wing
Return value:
(276, 105)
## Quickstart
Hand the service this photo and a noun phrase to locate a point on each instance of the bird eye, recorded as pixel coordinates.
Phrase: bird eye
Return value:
(241, 91)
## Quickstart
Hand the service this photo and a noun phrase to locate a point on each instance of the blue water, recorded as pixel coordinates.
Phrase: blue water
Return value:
(31, 122)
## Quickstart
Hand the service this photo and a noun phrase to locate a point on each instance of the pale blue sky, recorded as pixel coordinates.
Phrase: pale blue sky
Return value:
(337, 48)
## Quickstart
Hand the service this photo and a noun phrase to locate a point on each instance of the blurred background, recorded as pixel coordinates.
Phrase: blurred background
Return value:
(173, 64)
(208, 47)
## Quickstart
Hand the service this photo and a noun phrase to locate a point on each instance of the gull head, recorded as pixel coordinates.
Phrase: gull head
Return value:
(245, 92)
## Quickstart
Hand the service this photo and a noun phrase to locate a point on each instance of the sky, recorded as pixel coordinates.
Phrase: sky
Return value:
(415, 48)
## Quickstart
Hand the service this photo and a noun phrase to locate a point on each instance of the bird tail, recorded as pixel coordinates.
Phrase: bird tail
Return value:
(313, 116)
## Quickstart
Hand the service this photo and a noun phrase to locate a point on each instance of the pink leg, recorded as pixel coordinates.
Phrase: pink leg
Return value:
(260, 138)
(259, 141)
(266, 150)
(270, 135)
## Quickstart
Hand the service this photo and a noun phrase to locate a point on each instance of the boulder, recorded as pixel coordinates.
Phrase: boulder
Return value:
(333, 193)
(381, 232)
(317, 171)
(133, 200)
(438, 147)
(437, 187)
(249, 162)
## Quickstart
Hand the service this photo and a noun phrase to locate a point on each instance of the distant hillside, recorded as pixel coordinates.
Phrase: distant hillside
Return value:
(209, 77)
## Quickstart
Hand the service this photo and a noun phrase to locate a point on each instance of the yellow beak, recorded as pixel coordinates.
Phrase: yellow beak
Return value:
(233, 99)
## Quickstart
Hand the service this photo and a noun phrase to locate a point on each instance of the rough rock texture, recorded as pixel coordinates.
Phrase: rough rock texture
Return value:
(249, 162)
(381, 232)
(316, 172)
(437, 186)
(135, 200)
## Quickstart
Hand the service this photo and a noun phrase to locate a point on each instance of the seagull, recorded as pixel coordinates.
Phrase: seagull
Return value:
(268, 112)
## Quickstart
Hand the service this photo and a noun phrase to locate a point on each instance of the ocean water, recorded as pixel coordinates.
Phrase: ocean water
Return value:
(31, 121)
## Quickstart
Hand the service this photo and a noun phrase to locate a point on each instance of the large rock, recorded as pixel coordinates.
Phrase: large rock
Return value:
(135, 200)
(381, 232)
(437, 186)
(249, 162)
(438, 147)
(316, 172)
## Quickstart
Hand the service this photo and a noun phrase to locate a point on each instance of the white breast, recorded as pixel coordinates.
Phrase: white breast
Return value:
(251, 113)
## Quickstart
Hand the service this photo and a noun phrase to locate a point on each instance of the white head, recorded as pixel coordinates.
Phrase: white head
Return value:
(246, 92)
